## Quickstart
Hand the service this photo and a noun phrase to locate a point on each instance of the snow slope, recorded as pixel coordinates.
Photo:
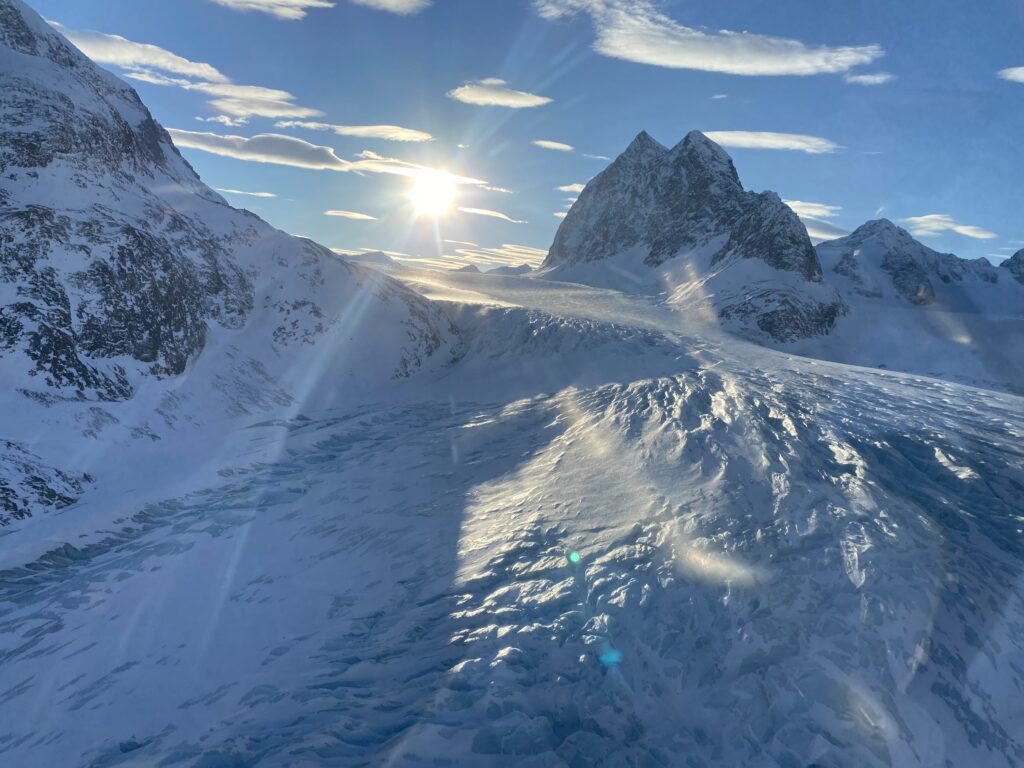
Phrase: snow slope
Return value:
(138, 307)
(782, 562)
(912, 308)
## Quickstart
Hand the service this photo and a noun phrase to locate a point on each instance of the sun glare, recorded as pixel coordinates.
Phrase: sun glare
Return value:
(432, 194)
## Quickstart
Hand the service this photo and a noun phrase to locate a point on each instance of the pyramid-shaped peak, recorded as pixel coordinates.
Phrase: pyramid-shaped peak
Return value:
(644, 143)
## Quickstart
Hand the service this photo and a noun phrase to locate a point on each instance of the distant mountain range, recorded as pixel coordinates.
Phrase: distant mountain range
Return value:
(678, 222)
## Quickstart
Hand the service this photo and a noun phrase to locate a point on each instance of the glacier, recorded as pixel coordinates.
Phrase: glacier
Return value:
(695, 493)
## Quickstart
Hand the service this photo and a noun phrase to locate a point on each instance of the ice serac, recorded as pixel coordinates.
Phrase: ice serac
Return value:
(680, 218)
(119, 266)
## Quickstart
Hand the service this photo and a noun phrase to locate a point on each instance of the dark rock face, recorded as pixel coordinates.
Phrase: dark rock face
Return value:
(27, 483)
(142, 294)
(667, 201)
(1015, 265)
(662, 206)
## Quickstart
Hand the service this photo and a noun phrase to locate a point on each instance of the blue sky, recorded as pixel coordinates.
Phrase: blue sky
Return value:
(912, 110)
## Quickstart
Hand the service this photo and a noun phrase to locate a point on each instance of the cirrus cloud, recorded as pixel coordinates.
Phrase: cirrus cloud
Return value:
(877, 78)
(492, 92)
(1013, 74)
(385, 132)
(798, 142)
(353, 215)
(278, 149)
(934, 224)
(401, 7)
(577, 188)
(127, 54)
(491, 214)
(282, 9)
(557, 146)
(635, 30)
(247, 194)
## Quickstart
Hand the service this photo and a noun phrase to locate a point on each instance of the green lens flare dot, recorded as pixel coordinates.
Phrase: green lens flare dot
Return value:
(574, 557)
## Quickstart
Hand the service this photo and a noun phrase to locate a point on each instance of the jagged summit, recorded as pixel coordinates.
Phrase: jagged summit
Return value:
(655, 211)
(1015, 264)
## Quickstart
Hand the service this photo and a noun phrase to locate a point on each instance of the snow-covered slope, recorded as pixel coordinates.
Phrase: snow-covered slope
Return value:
(782, 562)
(680, 221)
(914, 309)
(134, 300)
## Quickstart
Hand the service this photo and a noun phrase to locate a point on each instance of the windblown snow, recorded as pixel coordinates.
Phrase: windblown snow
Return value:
(465, 519)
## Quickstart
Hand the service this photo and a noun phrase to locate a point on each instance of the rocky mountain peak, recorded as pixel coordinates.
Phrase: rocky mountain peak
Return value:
(1015, 264)
(685, 209)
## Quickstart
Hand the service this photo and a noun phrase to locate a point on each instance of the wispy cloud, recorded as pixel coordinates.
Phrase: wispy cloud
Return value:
(720, 97)
(818, 210)
(560, 214)
(813, 145)
(126, 54)
(577, 188)
(597, 157)
(508, 255)
(282, 9)
(401, 7)
(813, 215)
(635, 30)
(1013, 74)
(502, 190)
(935, 224)
(225, 120)
(878, 78)
(234, 101)
(154, 65)
(492, 92)
(248, 194)
(263, 148)
(492, 214)
(279, 149)
(351, 215)
(385, 132)
(557, 146)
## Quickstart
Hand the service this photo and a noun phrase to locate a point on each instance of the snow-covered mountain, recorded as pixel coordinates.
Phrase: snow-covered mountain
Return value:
(1016, 265)
(915, 309)
(592, 529)
(679, 220)
(134, 299)
(677, 223)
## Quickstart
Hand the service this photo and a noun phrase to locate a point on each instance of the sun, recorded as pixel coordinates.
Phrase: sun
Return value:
(432, 194)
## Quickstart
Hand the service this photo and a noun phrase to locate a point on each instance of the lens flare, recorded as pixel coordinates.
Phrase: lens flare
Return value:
(432, 194)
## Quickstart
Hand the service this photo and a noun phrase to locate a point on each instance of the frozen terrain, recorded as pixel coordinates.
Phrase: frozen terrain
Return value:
(261, 505)
(781, 562)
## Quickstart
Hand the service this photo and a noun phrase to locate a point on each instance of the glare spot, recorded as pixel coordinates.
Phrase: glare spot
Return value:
(574, 557)
(432, 194)
(611, 657)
